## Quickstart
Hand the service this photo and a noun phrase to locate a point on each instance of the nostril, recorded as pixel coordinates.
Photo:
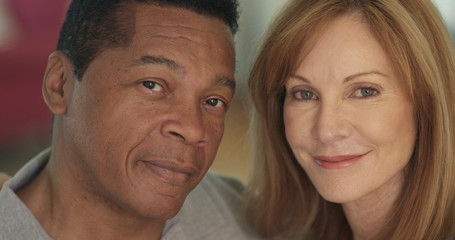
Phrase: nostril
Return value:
(177, 135)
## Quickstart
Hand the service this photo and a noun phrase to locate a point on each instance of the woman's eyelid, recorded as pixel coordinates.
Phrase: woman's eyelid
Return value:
(365, 85)
(304, 88)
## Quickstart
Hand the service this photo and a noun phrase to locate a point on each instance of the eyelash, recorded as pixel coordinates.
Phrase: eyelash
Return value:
(295, 94)
(146, 84)
(216, 99)
(373, 94)
(152, 84)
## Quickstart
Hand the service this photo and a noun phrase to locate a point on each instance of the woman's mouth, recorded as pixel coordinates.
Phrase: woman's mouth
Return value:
(338, 161)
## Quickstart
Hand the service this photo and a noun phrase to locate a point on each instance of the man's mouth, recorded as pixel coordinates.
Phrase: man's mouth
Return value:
(171, 172)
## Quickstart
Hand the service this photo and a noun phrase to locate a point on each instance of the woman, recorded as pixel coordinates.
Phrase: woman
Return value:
(356, 123)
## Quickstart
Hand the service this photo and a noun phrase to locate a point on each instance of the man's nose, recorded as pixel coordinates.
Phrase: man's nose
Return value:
(185, 123)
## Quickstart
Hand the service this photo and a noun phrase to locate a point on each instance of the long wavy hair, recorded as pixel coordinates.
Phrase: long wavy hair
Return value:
(280, 200)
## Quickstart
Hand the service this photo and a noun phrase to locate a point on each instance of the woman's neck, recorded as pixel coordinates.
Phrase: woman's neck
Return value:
(368, 215)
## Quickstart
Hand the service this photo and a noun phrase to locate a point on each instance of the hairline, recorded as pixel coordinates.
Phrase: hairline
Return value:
(127, 29)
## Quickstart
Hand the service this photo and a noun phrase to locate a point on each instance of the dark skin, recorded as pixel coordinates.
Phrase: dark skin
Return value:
(138, 132)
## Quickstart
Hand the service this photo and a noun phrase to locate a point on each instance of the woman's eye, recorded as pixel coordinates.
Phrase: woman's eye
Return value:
(215, 102)
(365, 92)
(154, 86)
(304, 95)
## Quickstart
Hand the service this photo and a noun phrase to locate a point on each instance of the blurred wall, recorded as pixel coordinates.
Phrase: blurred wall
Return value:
(447, 9)
(28, 34)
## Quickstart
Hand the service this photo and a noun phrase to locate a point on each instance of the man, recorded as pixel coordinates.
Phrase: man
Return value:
(139, 91)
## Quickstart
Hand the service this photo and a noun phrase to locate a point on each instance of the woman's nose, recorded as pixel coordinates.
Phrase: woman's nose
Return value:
(331, 124)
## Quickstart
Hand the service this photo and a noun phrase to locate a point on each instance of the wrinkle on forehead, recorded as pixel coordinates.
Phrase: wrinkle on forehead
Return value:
(194, 35)
(184, 37)
(158, 21)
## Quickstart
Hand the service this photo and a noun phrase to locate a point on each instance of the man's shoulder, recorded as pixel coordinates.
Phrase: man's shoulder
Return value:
(224, 193)
(211, 211)
(222, 184)
(17, 222)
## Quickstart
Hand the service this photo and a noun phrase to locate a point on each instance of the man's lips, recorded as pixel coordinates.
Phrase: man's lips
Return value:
(171, 172)
(338, 161)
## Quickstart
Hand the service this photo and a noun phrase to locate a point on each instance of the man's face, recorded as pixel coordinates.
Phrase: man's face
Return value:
(144, 123)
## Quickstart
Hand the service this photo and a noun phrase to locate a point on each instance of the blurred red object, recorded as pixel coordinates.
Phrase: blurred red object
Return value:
(22, 67)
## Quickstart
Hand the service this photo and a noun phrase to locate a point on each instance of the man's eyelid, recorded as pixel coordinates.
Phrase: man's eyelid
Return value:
(223, 93)
(161, 87)
(225, 102)
(161, 82)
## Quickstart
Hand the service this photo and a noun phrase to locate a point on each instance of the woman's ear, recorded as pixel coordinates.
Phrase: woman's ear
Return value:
(58, 78)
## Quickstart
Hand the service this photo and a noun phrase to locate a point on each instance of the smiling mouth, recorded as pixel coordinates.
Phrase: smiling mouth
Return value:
(338, 162)
(170, 173)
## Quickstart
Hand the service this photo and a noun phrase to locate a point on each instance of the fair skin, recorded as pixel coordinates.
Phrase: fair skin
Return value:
(350, 123)
(138, 132)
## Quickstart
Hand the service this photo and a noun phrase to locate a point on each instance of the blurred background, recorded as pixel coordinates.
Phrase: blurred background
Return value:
(28, 34)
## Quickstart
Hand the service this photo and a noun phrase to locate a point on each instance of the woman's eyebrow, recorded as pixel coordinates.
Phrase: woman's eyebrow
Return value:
(353, 76)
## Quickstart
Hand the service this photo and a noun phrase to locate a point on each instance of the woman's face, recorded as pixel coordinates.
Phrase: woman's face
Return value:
(348, 120)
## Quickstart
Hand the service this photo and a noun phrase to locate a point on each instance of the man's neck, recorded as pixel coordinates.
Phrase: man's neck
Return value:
(66, 211)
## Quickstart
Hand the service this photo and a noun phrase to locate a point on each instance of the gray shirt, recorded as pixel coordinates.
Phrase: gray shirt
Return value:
(210, 211)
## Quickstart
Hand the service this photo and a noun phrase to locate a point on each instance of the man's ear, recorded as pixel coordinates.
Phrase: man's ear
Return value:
(58, 80)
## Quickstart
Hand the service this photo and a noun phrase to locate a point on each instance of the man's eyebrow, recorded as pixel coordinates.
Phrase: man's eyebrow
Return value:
(160, 60)
(174, 66)
(225, 81)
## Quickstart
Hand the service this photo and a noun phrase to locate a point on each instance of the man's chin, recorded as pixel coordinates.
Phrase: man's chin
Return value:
(152, 197)
(161, 207)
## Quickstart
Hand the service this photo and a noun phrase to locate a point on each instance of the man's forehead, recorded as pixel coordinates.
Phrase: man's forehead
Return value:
(168, 21)
(178, 68)
(182, 41)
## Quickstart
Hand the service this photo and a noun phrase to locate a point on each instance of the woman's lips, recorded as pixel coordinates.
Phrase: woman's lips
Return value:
(339, 161)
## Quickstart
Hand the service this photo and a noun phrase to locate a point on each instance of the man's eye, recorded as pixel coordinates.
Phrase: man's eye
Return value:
(215, 102)
(154, 86)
